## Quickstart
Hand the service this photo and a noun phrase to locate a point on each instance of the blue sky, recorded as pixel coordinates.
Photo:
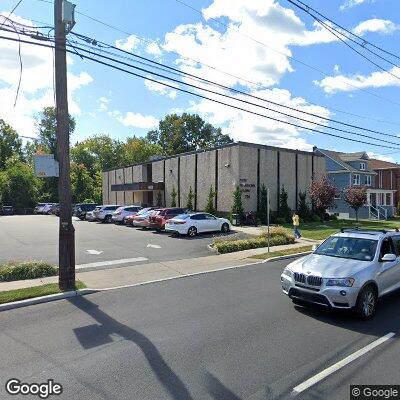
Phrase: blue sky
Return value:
(107, 101)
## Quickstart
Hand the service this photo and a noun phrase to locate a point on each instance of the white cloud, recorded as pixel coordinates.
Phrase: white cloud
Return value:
(351, 3)
(128, 44)
(376, 25)
(247, 127)
(103, 104)
(383, 157)
(136, 120)
(336, 69)
(154, 49)
(161, 88)
(36, 91)
(341, 83)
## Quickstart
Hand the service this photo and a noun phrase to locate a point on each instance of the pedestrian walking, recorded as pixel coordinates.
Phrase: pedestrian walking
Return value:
(296, 223)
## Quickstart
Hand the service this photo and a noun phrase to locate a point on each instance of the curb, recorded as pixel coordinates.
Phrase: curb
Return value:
(287, 256)
(45, 299)
(212, 249)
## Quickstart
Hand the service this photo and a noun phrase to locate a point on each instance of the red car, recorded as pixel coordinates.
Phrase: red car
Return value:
(158, 217)
(131, 218)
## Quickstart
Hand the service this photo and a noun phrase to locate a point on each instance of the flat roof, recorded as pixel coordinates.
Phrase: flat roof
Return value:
(233, 144)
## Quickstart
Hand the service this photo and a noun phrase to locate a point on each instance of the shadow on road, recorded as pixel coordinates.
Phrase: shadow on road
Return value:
(387, 318)
(217, 390)
(96, 335)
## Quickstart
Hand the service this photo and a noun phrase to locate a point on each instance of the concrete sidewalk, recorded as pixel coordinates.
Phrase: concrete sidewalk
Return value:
(136, 274)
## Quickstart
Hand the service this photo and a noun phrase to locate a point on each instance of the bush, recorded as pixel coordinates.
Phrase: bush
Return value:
(280, 220)
(278, 231)
(26, 270)
(333, 217)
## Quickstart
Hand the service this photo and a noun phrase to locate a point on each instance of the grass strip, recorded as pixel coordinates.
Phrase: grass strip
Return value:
(279, 253)
(31, 292)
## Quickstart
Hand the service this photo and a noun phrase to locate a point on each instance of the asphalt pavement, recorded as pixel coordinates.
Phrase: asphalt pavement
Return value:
(35, 237)
(225, 335)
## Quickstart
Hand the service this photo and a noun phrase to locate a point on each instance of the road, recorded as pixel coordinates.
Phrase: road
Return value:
(35, 237)
(226, 335)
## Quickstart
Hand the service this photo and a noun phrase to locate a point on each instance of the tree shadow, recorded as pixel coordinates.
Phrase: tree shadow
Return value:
(217, 389)
(88, 338)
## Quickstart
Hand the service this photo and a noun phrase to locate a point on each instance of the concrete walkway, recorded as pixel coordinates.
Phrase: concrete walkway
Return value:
(136, 274)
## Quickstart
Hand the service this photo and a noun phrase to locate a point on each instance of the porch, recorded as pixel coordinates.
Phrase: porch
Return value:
(380, 203)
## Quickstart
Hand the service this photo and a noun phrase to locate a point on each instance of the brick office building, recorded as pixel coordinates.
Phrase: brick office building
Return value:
(245, 164)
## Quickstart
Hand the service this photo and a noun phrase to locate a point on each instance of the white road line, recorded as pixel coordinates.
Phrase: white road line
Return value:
(335, 367)
(112, 262)
(94, 252)
(154, 246)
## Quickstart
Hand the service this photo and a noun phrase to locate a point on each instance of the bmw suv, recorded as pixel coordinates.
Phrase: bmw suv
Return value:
(349, 270)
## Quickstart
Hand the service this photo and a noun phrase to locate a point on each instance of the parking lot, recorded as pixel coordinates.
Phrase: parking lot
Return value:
(35, 237)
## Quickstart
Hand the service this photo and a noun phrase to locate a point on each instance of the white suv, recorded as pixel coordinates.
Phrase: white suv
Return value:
(121, 213)
(351, 269)
(104, 213)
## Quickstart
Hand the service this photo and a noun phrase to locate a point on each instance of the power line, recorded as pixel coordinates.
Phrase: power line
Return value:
(12, 11)
(336, 33)
(165, 68)
(241, 78)
(208, 98)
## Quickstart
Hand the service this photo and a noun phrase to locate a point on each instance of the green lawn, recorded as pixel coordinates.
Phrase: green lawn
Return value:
(36, 291)
(321, 230)
(279, 253)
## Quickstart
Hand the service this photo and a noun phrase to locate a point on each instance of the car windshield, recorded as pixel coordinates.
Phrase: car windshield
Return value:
(182, 216)
(348, 247)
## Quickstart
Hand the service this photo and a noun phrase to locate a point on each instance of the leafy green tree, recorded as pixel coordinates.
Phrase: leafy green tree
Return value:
(173, 197)
(46, 123)
(18, 185)
(303, 209)
(158, 199)
(82, 183)
(237, 206)
(284, 210)
(139, 150)
(263, 205)
(190, 198)
(210, 205)
(10, 143)
(186, 132)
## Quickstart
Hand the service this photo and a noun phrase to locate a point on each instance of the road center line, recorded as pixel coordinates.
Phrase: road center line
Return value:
(335, 367)
(112, 262)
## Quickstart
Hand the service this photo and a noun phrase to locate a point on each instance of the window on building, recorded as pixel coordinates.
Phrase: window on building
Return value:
(362, 166)
(368, 180)
(356, 179)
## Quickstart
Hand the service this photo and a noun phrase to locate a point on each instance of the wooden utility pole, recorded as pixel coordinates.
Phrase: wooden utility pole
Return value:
(66, 249)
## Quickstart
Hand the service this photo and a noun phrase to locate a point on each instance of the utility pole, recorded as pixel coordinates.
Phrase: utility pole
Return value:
(66, 245)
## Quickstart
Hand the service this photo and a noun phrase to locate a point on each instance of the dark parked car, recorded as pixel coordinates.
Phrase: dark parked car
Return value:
(82, 209)
(158, 218)
(8, 210)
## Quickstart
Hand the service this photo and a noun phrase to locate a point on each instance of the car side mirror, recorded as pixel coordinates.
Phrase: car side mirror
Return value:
(388, 257)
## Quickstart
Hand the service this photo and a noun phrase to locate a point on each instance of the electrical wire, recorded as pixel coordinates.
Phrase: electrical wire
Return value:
(12, 11)
(208, 98)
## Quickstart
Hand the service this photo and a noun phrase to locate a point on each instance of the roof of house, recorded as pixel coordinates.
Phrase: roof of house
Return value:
(343, 159)
(380, 164)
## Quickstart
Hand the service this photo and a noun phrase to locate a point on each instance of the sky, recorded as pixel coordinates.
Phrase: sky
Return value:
(267, 48)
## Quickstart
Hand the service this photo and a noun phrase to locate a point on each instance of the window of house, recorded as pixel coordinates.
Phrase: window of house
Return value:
(362, 166)
(368, 180)
(356, 179)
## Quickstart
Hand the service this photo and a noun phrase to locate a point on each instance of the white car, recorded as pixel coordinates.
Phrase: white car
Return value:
(121, 213)
(90, 215)
(46, 208)
(194, 223)
(104, 213)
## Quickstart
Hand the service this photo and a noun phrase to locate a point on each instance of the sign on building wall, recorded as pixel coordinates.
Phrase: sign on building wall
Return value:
(45, 165)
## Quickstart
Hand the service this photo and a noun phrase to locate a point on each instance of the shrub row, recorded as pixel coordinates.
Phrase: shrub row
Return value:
(245, 244)
(13, 271)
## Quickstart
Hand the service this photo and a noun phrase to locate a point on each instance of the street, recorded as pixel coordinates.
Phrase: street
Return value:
(226, 335)
(35, 237)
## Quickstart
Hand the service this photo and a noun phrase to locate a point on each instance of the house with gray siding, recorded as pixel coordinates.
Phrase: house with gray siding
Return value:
(353, 169)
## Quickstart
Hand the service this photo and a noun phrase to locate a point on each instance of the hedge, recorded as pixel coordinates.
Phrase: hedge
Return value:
(13, 271)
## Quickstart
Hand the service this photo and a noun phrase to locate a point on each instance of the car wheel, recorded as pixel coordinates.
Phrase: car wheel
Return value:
(192, 231)
(366, 303)
(107, 219)
(225, 228)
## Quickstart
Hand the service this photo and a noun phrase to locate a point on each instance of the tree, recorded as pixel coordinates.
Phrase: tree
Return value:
(186, 132)
(237, 206)
(82, 183)
(355, 197)
(284, 210)
(46, 123)
(139, 150)
(398, 209)
(190, 198)
(10, 143)
(322, 193)
(173, 197)
(210, 205)
(18, 185)
(159, 199)
(302, 207)
(263, 205)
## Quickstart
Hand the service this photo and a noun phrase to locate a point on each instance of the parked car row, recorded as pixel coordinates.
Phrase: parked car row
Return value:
(174, 219)
(47, 209)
